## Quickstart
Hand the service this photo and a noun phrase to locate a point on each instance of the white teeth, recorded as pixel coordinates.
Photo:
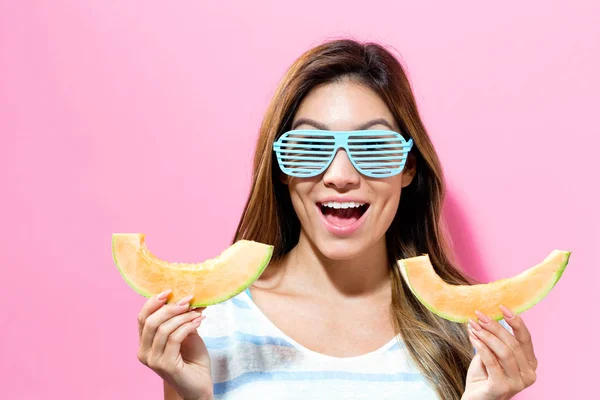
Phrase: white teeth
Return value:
(335, 204)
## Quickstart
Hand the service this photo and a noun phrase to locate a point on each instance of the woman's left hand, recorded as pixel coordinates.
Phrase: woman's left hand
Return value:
(504, 364)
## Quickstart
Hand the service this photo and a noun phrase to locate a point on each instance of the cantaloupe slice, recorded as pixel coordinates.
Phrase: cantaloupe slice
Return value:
(459, 302)
(210, 282)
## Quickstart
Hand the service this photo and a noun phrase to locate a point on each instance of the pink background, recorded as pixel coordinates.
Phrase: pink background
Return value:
(120, 116)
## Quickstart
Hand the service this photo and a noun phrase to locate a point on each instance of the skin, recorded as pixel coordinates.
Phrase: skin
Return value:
(325, 275)
(332, 282)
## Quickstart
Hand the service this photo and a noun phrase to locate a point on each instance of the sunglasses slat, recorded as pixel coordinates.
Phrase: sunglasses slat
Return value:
(374, 146)
(363, 158)
(307, 146)
(358, 152)
(304, 171)
(310, 152)
(371, 140)
(381, 164)
(375, 132)
(303, 164)
(303, 139)
(286, 159)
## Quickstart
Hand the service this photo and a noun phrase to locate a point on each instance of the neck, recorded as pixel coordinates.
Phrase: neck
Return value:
(364, 275)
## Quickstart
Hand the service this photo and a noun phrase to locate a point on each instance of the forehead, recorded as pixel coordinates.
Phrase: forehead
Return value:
(343, 106)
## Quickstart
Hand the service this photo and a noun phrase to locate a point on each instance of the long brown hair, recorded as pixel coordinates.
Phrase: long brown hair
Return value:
(439, 348)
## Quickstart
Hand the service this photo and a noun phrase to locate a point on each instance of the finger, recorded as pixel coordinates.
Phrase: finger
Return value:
(151, 305)
(494, 370)
(173, 346)
(167, 328)
(521, 333)
(157, 318)
(508, 339)
(503, 353)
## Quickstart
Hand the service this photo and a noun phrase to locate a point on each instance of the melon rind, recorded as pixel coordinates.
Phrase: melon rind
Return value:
(228, 294)
(457, 317)
(131, 284)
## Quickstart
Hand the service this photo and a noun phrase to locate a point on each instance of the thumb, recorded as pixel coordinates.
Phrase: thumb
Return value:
(476, 371)
(193, 350)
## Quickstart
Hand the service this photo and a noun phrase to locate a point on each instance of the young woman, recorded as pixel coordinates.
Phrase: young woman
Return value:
(346, 182)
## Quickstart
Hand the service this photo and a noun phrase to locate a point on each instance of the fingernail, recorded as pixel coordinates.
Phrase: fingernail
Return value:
(484, 319)
(163, 295)
(475, 325)
(198, 320)
(196, 313)
(507, 313)
(185, 300)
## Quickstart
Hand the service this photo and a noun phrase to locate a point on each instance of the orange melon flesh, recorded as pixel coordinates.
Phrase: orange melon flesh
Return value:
(459, 302)
(210, 282)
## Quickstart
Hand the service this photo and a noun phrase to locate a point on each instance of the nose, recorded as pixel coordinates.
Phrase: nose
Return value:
(341, 173)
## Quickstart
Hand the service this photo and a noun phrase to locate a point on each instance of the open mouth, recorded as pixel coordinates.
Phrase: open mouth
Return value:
(342, 214)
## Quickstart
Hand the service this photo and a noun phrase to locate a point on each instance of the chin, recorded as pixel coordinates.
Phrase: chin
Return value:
(340, 250)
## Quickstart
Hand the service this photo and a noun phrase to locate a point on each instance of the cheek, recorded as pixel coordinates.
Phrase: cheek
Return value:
(388, 189)
(389, 194)
(390, 207)
(299, 193)
(299, 207)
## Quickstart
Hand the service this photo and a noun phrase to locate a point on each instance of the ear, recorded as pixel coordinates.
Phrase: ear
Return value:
(410, 170)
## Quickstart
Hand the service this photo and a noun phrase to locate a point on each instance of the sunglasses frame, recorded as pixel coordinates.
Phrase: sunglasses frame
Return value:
(341, 140)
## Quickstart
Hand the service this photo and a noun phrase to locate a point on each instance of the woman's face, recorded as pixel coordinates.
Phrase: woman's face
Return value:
(341, 233)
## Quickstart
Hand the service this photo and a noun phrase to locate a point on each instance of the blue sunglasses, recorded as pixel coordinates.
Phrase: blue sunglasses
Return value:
(374, 153)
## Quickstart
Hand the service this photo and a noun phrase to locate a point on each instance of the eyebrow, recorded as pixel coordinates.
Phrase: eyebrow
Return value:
(323, 127)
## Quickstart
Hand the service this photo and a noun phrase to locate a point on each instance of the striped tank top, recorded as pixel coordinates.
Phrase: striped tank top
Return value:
(252, 359)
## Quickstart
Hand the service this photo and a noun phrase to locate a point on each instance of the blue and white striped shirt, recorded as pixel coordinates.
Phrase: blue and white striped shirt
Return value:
(252, 359)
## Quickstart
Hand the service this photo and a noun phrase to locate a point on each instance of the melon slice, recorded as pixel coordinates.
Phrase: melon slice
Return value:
(458, 302)
(210, 282)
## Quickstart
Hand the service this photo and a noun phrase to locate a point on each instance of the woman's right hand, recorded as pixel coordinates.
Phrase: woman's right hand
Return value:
(171, 347)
